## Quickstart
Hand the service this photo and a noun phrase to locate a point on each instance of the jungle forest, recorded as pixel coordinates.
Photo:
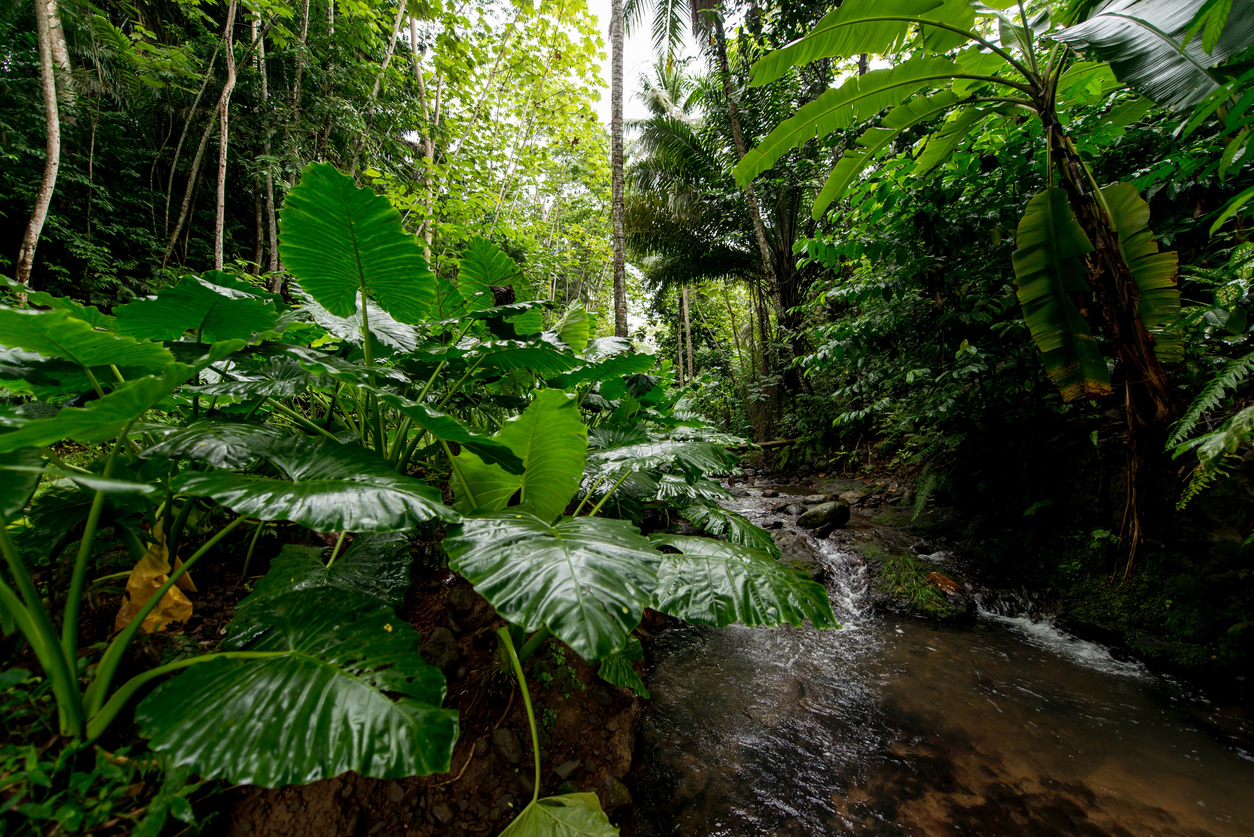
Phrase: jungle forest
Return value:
(420, 418)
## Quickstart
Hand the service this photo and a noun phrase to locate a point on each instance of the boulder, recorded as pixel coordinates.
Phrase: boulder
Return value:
(440, 650)
(770, 492)
(619, 795)
(851, 497)
(805, 470)
(815, 499)
(837, 514)
(794, 509)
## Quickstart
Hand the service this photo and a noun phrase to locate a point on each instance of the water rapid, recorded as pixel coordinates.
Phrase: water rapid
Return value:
(1007, 726)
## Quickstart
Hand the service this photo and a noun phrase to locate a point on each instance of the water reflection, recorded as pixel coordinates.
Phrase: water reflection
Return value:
(892, 726)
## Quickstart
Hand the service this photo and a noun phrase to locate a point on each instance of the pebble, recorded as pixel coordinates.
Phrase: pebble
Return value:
(443, 813)
(770, 492)
(507, 744)
(567, 769)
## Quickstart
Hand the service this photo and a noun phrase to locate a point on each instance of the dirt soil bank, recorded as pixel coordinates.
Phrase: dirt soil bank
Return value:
(580, 717)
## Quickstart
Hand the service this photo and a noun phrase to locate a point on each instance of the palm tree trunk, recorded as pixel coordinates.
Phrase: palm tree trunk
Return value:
(219, 220)
(52, 157)
(616, 169)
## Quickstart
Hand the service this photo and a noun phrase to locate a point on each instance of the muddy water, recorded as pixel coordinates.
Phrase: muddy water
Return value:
(893, 726)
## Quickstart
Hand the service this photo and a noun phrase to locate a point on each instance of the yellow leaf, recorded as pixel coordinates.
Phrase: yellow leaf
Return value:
(149, 574)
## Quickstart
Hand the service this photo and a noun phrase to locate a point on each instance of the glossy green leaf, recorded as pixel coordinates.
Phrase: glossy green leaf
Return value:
(673, 489)
(336, 238)
(60, 334)
(374, 565)
(857, 26)
(617, 669)
(196, 306)
(568, 815)
(16, 487)
(101, 419)
(322, 706)
(717, 583)
(222, 444)
(728, 524)
(272, 377)
(858, 99)
(446, 428)
(574, 328)
(1051, 275)
(382, 325)
(550, 439)
(587, 578)
(1142, 41)
(89, 314)
(333, 487)
(1155, 273)
(613, 367)
(684, 456)
(942, 143)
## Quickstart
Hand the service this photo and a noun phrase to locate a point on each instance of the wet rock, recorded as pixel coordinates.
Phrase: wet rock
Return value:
(907, 497)
(774, 524)
(619, 796)
(506, 742)
(805, 470)
(795, 509)
(567, 769)
(836, 513)
(852, 496)
(440, 650)
(821, 465)
(748, 472)
(442, 812)
(600, 695)
(770, 492)
(824, 531)
(816, 499)
(481, 747)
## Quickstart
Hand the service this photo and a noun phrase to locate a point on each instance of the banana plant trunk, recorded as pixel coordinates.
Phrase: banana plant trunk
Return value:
(1116, 297)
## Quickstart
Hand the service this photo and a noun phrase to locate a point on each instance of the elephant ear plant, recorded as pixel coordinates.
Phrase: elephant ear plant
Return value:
(311, 416)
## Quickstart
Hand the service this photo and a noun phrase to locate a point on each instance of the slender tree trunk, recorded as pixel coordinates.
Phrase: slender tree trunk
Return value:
(191, 114)
(272, 224)
(688, 334)
(679, 341)
(259, 250)
(60, 55)
(330, 17)
(427, 228)
(44, 21)
(300, 63)
(733, 115)
(616, 169)
(378, 83)
(219, 221)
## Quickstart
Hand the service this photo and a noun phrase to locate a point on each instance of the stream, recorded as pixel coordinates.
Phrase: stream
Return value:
(1007, 726)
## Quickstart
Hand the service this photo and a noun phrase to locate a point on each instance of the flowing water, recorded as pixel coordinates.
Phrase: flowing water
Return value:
(896, 726)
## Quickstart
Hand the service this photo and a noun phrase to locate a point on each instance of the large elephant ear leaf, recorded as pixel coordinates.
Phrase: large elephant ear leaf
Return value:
(587, 578)
(1143, 40)
(222, 444)
(19, 475)
(101, 419)
(341, 686)
(717, 583)
(617, 670)
(61, 334)
(568, 815)
(89, 314)
(1051, 274)
(374, 565)
(337, 239)
(331, 487)
(1156, 273)
(738, 529)
(552, 443)
(214, 313)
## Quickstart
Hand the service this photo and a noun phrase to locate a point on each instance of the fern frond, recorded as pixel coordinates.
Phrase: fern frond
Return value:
(1229, 378)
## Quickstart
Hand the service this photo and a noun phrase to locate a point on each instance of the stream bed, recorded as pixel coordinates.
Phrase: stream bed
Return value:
(890, 725)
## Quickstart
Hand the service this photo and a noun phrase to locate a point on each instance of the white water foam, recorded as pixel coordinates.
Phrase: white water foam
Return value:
(1048, 637)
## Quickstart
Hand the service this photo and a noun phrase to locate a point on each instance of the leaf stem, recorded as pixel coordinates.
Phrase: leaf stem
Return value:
(508, 643)
(613, 488)
(335, 552)
(299, 419)
(112, 657)
(69, 625)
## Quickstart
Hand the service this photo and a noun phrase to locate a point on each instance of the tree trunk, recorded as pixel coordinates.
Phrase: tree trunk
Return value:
(224, 106)
(52, 155)
(1148, 401)
(300, 62)
(427, 228)
(688, 335)
(679, 342)
(733, 115)
(60, 55)
(378, 83)
(259, 250)
(616, 169)
(272, 224)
